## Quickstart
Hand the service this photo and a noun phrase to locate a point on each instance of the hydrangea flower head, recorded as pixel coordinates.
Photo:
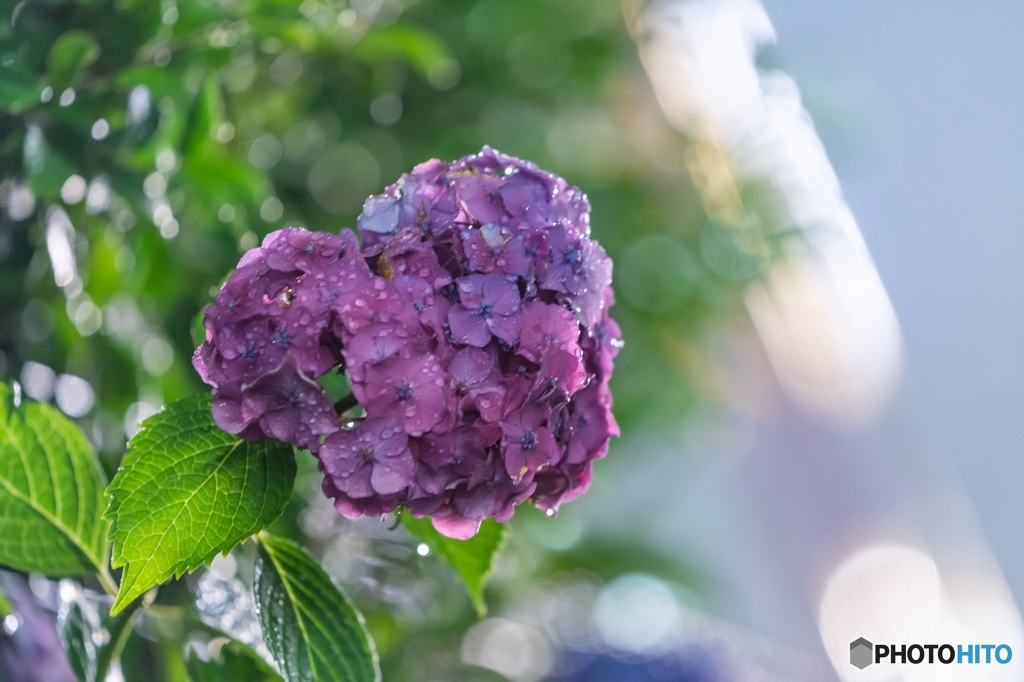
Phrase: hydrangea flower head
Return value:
(472, 324)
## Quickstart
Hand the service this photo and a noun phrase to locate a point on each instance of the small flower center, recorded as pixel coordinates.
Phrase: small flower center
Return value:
(528, 441)
(572, 256)
(282, 338)
(405, 391)
(485, 310)
(251, 352)
(367, 454)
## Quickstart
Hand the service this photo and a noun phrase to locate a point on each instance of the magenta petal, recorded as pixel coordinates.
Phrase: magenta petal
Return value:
(456, 527)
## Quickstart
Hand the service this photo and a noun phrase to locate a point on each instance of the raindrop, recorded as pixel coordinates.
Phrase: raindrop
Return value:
(166, 160)
(38, 380)
(169, 229)
(98, 197)
(286, 68)
(422, 549)
(67, 97)
(225, 132)
(154, 185)
(75, 396)
(271, 209)
(265, 151)
(11, 623)
(100, 129)
(386, 109)
(551, 513)
(444, 74)
(21, 202)
(162, 56)
(138, 104)
(73, 190)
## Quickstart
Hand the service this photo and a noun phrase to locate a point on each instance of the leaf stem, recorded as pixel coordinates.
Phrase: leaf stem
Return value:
(107, 582)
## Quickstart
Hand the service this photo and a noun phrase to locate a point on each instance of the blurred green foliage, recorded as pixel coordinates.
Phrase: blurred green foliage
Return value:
(145, 145)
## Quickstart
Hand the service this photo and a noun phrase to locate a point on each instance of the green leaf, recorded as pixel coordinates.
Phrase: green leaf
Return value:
(70, 55)
(418, 46)
(47, 168)
(18, 88)
(233, 662)
(472, 560)
(187, 491)
(77, 625)
(51, 492)
(91, 638)
(207, 111)
(311, 628)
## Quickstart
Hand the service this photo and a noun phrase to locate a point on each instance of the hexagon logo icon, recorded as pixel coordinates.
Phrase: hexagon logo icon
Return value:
(861, 653)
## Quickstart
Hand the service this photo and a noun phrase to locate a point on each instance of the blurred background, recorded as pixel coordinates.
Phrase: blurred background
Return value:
(811, 209)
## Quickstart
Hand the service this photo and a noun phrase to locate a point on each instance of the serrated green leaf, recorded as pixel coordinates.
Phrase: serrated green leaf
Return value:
(69, 56)
(187, 491)
(311, 628)
(234, 662)
(472, 560)
(51, 492)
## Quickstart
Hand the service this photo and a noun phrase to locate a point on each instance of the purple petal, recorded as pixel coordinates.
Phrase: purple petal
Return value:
(468, 327)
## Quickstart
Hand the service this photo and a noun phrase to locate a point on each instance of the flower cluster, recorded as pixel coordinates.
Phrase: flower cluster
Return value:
(472, 324)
